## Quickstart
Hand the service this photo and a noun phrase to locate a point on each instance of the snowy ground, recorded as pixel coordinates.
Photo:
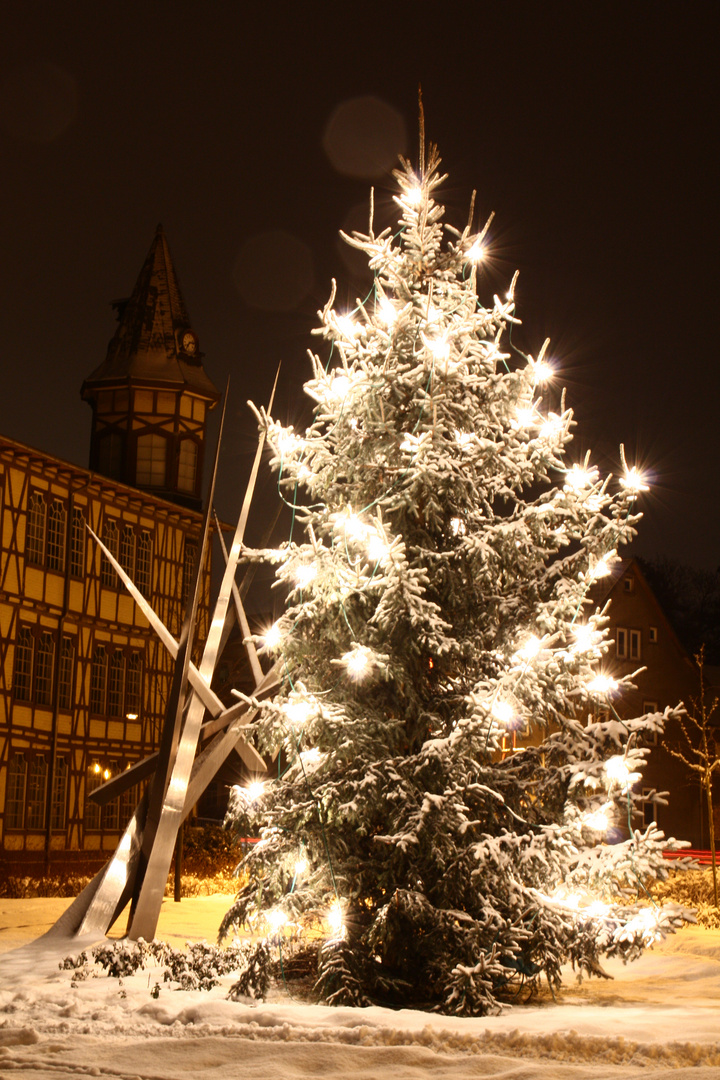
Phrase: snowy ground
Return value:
(659, 1017)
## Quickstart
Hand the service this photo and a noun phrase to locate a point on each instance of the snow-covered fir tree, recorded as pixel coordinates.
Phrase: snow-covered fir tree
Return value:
(450, 760)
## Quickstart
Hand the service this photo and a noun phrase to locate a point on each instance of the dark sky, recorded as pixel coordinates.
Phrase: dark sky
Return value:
(589, 128)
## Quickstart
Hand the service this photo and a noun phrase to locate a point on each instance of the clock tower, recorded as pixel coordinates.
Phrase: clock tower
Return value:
(151, 396)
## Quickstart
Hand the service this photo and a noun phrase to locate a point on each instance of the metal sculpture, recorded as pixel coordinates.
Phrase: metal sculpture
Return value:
(177, 773)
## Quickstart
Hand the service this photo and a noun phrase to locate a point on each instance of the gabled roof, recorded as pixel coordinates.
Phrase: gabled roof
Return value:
(147, 345)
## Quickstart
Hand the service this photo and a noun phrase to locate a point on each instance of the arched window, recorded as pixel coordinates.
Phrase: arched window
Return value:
(98, 680)
(35, 536)
(187, 465)
(127, 550)
(65, 673)
(116, 683)
(15, 792)
(55, 553)
(44, 669)
(143, 563)
(189, 557)
(111, 540)
(151, 462)
(58, 807)
(22, 669)
(36, 793)
(77, 543)
(133, 686)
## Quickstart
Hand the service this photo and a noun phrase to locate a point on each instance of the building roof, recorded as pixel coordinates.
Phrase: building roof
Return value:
(148, 343)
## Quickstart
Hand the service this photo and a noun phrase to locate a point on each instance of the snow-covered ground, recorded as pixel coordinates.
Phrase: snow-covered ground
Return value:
(659, 1017)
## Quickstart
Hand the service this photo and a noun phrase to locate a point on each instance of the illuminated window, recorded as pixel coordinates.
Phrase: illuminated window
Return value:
(143, 563)
(58, 806)
(116, 683)
(133, 686)
(35, 536)
(127, 550)
(36, 793)
(44, 669)
(55, 552)
(151, 462)
(15, 792)
(189, 557)
(77, 543)
(98, 680)
(111, 815)
(111, 540)
(65, 673)
(22, 670)
(187, 465)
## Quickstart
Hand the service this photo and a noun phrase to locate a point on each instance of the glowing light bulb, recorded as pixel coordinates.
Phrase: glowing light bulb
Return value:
(551, 428)
(597, 820)
(335, 918)
(355, 528)
(357, 662)
(414, 196)
(439, 347)
(543, 372)
(457, 526)
(584, 638)
(602, 684)
(106, 774)
(503, 711)
(301, 866)
(275, 919)
(529, 649)
(601, 568)
(634, 482)
(304, 575)
(97, 768)
(597, 909)
(347, 326)
(273, 636)
(377, 549)
(387, 311)
(254, 791)
(616, 770)
(340, 386)
(525, 417)
(476, 252)
(298, 711)
(577, 478)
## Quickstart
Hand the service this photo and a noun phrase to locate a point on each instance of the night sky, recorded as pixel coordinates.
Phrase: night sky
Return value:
(254, 136)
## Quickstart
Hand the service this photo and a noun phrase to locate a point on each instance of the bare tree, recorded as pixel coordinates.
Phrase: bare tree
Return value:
(698, 753)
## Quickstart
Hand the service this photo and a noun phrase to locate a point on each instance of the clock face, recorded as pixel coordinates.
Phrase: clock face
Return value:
(189, 342)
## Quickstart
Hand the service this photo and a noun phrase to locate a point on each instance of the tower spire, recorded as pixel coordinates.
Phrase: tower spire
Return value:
(151, 394)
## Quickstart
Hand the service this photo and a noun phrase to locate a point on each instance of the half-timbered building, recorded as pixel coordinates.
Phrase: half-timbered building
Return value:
(83, 681)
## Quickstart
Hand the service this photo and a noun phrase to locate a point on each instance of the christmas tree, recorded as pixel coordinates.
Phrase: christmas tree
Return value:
(450, 760)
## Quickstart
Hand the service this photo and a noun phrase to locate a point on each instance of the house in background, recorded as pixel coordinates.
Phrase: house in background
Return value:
(641, 636)
(83, 681)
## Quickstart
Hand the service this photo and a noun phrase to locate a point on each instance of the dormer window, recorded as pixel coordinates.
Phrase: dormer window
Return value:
(151, 463)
